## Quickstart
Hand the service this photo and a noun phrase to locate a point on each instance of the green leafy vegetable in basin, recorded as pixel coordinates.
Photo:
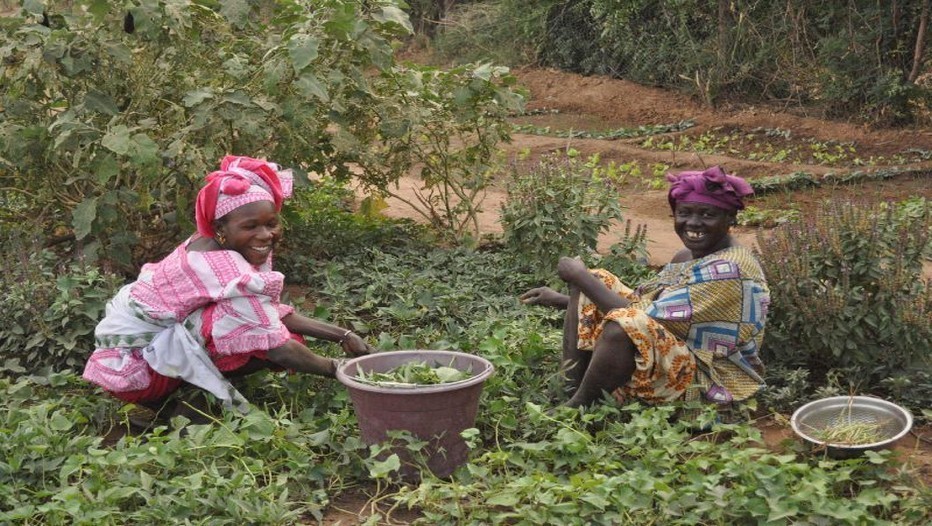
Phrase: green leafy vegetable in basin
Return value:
(414, 373)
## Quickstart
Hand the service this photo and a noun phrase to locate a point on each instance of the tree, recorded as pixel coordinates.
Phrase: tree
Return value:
(106, 134)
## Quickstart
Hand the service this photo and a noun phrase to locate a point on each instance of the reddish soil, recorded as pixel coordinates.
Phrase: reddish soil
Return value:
(570, 102)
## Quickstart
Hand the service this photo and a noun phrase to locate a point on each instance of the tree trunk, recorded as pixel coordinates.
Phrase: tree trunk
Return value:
(920, 42)
(722, 31)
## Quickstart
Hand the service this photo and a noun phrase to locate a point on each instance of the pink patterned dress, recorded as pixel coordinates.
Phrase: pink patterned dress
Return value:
(190, 317)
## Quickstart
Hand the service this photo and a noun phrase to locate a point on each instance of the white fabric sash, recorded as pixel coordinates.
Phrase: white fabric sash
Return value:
(174, 352)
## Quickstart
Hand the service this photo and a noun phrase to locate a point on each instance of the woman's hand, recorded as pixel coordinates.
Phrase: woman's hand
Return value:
(353, 345)
(571, 270)
(545, 296)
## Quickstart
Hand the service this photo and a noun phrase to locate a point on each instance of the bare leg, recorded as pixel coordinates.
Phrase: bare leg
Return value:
(611, 366)
(575, 362)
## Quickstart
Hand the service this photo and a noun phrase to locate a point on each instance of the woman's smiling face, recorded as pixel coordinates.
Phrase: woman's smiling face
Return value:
(253, 230)
(702, 228)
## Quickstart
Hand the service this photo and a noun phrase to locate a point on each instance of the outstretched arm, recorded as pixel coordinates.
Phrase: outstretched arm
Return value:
(352, 343)
(292, 355)
(545, 296)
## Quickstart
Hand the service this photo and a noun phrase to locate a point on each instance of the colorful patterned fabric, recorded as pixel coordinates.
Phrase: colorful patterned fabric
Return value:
(239, 181)
(709, 311)
(185, 316)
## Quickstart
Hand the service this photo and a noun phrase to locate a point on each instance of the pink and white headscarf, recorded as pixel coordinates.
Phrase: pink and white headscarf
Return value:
(712, 187)
(239, 181)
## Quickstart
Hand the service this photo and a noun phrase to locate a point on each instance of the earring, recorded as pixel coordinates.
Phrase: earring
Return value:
(221, 239)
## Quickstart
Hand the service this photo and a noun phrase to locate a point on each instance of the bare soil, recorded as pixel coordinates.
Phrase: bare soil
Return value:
(755, 141)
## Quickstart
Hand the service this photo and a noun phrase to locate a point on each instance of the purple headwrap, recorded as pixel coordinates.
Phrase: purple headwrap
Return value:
(712, 187)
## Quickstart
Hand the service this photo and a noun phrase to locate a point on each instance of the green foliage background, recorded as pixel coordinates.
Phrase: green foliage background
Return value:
(854, 58)
(287, 460)
(105, 134)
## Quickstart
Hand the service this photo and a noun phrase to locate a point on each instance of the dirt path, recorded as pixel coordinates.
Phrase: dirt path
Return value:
(662, 241)
(597, 104)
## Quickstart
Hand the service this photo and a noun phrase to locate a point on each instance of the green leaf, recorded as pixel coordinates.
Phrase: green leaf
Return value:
(506, 499)
(303, 50)
(309, 86)
(193, 98)
(99, 8)
(83, 217)
(343, 22)
(119, 52)
(380, 469)
(236, 11)
(117, 140)
(105, 167)
(395, 15)
(144, 148)
(34, 7)
(60, 422)
(101, 103)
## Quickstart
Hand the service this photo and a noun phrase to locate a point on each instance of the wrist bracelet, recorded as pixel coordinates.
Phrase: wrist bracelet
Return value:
(345, 335)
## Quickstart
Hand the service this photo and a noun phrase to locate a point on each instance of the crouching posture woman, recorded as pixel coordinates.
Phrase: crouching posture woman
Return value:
(692, 332)
(211, 309)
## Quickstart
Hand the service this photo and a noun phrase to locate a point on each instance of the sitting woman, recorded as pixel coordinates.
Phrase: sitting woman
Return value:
(692, 332)
(211, 309)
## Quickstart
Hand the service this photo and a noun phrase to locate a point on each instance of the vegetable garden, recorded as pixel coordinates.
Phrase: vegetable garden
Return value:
(97, 175)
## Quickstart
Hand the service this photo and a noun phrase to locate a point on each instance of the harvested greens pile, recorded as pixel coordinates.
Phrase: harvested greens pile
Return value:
(849, 431)
(414, 373)
(852, 433)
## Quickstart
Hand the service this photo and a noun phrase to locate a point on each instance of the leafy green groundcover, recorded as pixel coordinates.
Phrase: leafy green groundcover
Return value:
(283, 463)
(627, 465)
(256, 469)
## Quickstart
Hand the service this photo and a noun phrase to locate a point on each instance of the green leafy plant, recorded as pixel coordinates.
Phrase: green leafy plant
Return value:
(559, 207)
(64, 460)
(610, 135)
(414, 373)
(48, 310)
(632, 465)
(444, 125)
(324, 219)
(106, 133)
(754, 216)
(257, 468)
(848, 295)
(627, 258)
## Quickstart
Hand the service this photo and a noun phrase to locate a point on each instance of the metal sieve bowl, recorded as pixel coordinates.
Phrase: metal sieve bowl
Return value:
(892, 422)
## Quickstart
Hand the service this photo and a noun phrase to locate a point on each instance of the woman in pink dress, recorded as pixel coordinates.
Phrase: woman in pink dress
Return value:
(212, 308)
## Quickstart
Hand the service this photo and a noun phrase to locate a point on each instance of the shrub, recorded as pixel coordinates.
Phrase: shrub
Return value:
(848, 296)
(322, 221)
(504, 31)
(106, 133)
(558, 208)
(48, 311)
(445, 126)
(628, 257)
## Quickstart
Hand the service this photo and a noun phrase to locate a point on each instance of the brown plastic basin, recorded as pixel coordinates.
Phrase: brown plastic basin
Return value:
(434, 413)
